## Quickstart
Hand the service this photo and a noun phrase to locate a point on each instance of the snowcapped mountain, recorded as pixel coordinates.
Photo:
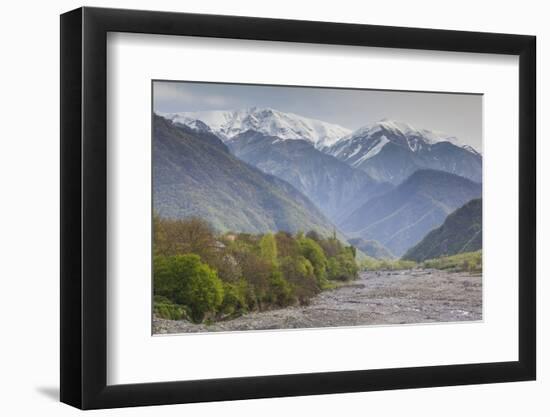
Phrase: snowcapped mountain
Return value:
(195, 175)
(332, 185)
(370, 139)
(391, 151)
(227, 124)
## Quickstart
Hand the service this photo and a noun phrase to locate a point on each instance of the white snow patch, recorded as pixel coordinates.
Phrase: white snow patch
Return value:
(355, 151)
(229, 123)
(375, 150)
(399, 132)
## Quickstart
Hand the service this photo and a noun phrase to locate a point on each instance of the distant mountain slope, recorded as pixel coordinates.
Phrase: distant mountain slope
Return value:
(372, 248)
(335, 187)
(461, 232)
(392, 151)
(400, 218)
(194, 174)
(270, 122)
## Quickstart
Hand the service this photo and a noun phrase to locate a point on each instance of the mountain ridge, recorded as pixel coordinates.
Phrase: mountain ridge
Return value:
(335, 187)
(391, 151)
(270, 122)
(460, 232)
(195, 175)
(400, 218)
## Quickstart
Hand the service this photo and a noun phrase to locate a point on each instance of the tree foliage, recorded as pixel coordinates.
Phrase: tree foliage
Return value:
(311, 250)
(187, 281)
(199, 274)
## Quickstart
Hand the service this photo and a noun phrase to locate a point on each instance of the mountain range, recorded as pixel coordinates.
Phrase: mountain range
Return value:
(461, 232)
(401, 217)
(385, 185)
(270, 122)
(391, 151)
(332, 185)
(194, 174)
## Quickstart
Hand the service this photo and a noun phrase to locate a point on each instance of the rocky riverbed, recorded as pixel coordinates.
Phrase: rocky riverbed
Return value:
(376, 298)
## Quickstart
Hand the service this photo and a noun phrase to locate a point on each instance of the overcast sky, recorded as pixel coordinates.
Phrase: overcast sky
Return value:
(459, 115)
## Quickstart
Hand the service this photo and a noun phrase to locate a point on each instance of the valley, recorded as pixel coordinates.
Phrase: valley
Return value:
(386, 183)
(271, 220)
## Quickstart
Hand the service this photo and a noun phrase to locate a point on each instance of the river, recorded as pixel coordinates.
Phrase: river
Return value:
(376, 298)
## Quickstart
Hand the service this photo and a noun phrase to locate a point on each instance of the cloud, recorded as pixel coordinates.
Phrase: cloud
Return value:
(180, 95)
(165, 91)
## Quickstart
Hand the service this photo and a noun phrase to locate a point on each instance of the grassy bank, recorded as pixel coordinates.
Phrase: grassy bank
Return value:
(468, 261)
(462, 262)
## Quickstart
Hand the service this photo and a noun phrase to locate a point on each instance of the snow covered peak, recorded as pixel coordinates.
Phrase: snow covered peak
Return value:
(229, 123)
(368, 141)
(401, 133)
(471, 149)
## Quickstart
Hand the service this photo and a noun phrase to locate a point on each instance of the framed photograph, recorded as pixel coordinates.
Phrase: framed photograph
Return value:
(257, 208)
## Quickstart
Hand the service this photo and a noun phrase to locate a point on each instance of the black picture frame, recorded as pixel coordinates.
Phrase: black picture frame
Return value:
(84, 207)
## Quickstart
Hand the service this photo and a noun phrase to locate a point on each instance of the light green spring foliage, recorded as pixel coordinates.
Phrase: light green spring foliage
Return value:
(282, 293)
(235, 298)
(268, 248)
(371, 264)
(469, 261)
(187, 281)
(199, 275)
(163, 307)
(299, 273)
(315, 255)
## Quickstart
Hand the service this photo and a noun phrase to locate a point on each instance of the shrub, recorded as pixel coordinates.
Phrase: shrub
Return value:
(256, 271)
(185, 280)
(234, 298)
(343, 267)
(298, 271)
(281, 292)
(165, 309)
(268, 248)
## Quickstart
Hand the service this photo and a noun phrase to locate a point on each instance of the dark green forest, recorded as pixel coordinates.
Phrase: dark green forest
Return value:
(201, 275)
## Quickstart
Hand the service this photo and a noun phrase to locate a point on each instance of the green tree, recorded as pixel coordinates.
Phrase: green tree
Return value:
(256, 270)
(281, 292)
(343, 267)
(334, 269)
(268, 248)
(331, 246)
(286, 245)
(298, 271)
(315, 254)
(234, 298)
(176, 237)
(185, 280)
